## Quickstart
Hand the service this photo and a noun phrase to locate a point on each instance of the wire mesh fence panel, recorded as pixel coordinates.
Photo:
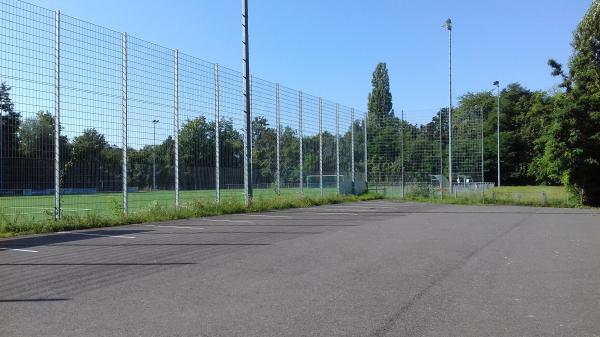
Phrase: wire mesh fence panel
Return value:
(199, 109)
(384, 137)
(329, 129)
(289, 141)
(423, 153)
(467, 147)
(91, 118)
(27, 110)
(359, 147)
(232, 126)
(310, 144)
(264, 138)
(151, 147)
(409, 154)
(120, 124)
(346, 148)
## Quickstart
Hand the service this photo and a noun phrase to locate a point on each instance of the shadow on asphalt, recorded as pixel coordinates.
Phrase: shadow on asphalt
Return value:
(34, 300)
(58, 238)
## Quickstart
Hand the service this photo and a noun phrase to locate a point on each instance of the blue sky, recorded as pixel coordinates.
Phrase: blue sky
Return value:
(330, 48)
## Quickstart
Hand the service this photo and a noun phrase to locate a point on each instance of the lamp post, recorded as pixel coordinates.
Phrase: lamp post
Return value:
(497, 84)
(154, 122)
(448, 26)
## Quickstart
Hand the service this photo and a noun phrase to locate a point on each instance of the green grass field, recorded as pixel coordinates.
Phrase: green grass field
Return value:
(102, 211)
(33, 208)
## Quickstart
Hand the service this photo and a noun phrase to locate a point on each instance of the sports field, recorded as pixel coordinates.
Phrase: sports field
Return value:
(108, 204)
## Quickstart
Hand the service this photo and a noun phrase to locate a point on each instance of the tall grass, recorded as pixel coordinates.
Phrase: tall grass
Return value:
(539, 196)
(155, 212)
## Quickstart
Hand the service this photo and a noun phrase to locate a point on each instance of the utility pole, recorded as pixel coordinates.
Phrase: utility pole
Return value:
(448, 26)
(154, 122)
(247, 112)
(497, 84)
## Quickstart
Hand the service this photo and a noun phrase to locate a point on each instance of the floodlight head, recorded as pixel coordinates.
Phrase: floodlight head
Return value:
(155, 121)
(496, 83)
(448, 24)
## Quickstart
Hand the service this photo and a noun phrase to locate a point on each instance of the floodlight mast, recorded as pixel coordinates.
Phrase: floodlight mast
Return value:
(247, 111)
(448, 26)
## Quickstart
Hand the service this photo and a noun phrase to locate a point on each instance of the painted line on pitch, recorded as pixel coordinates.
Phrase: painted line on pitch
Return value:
(179, 227)
(269, 216)
(99, 235)
(20, 250)
(224, 220)
(362, 208)
(349, 208)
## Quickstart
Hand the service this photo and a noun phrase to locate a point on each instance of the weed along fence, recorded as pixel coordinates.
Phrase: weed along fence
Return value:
(98, 121)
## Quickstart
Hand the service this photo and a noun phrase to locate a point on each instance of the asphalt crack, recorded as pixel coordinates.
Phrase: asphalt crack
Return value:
(392, 320)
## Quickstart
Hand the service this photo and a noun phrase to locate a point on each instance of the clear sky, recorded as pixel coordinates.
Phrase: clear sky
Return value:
(329, 48)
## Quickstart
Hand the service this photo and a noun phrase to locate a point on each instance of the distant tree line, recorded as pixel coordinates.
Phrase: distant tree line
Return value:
(89, 161)
(546, 137)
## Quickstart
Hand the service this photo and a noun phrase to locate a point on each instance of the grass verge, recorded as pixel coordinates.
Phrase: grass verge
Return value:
(538, 196)
(155, 212)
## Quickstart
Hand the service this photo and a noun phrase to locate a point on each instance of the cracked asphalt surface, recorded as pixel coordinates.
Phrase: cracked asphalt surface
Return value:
(376, 268)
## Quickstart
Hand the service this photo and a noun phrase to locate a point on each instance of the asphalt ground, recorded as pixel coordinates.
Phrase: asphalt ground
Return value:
(377, 268)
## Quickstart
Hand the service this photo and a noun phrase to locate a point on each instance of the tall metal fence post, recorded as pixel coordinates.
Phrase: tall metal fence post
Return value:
(217, 135)
(247, 109)
(449, 27)
(278, 121)
(301, 137)
(366, 149)
(441, 157)
(124, 106)
(176, 122)
(352, 145)
(337, 147)
(482, 168)
(56, 116)
(251, 140)
(321, 145)
(402, 151)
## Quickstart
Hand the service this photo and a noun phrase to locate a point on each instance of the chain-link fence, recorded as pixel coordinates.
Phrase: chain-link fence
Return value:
(408, 153)
(95, 121)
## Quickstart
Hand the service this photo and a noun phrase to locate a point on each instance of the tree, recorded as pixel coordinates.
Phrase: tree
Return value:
(88, 167)
(264, 143)
(380, 97)
(524, 114)
(197, 153)
(531, 132)
(572, 141)
(10, 121)
(383, 127)
(36, 137)
(290, 156)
